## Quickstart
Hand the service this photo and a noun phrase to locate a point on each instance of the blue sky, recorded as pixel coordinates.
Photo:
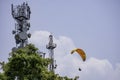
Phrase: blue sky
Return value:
(93, 25)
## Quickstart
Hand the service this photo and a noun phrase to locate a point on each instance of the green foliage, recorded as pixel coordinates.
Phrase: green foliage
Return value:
(26, 64)
(2, 76)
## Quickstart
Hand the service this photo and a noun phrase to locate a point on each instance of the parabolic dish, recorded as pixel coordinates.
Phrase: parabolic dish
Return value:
(23, 35)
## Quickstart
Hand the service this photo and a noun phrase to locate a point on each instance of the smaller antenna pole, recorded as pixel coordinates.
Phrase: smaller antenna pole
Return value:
(50, 46)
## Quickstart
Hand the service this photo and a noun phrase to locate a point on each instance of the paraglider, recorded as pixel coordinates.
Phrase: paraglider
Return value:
(80, 52)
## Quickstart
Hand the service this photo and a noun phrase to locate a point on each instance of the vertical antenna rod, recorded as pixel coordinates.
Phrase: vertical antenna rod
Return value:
(50, 46)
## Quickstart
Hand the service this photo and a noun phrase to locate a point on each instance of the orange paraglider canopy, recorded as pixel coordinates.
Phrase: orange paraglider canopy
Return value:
(80, 52)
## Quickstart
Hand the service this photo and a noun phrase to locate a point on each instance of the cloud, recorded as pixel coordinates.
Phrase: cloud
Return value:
(97, 69)
(68, 65)
(39, 38)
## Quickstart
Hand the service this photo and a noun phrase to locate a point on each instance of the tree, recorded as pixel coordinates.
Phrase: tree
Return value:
(26, 64)
(2, 76)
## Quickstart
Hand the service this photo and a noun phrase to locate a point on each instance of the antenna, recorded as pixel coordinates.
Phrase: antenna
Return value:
(50, 46)
(21, 13)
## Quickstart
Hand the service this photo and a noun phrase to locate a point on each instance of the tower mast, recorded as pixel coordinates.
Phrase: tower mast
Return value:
(50, 46)
(21, 14)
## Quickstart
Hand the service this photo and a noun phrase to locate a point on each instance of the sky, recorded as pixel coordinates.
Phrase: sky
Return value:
(92, 25)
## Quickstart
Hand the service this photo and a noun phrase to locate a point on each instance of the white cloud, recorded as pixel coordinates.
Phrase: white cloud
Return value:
(39, 38)
(92, 69)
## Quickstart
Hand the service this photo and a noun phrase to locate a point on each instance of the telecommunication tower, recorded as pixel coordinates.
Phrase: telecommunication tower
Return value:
(21, 14)
(50, 46)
